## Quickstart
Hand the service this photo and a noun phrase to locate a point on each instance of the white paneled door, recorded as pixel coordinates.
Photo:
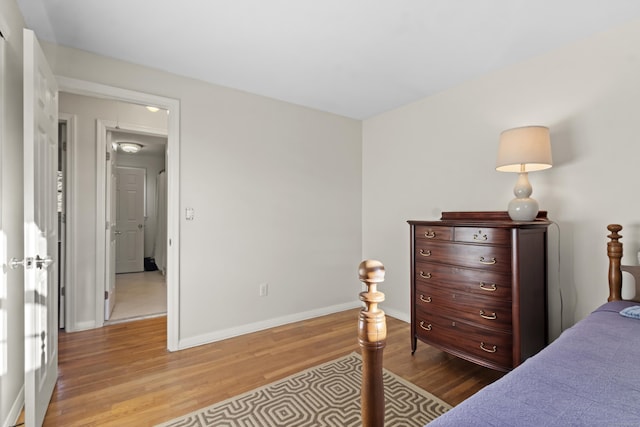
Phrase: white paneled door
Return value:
(40, 234)
(112, 232)
(130, 220)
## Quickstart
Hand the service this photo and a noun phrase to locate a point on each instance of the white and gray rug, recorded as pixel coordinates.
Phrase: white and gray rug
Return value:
(325, 395)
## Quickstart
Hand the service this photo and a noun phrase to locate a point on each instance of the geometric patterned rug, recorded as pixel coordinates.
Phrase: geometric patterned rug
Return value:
(323, 396)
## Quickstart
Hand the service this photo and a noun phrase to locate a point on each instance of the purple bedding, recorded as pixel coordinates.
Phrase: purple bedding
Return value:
(589, 376)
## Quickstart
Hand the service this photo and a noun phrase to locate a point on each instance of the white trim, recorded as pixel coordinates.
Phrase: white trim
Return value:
(83, 326)
(266, 324)
(86, 88)
(16, 410)
(101, 212)
(102, 126)
(397, 315)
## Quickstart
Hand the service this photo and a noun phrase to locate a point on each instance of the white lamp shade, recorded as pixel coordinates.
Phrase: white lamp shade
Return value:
(524, 149)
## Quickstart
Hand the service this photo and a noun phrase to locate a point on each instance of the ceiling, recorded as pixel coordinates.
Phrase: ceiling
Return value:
(355, 58)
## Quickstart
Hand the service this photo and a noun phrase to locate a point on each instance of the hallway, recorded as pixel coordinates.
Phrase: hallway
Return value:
(139, 295)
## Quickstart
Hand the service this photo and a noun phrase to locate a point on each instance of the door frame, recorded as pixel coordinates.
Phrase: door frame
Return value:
(97, 90)
(69, 218)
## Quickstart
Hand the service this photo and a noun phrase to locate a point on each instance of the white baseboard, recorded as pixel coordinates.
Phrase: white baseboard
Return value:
(82, 326)
(397, 314)
(266, 324)
(16, 409)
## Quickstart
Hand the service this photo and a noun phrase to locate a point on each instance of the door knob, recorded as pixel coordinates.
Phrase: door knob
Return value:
(43, 263)
(117, 233)
(26, 263)
(140, 226)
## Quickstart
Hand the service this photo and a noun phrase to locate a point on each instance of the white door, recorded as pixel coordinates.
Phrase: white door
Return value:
(40, 223)
(130, 220)
(112, 232)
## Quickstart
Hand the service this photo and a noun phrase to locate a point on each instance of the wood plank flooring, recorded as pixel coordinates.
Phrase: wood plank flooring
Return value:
(122, 374)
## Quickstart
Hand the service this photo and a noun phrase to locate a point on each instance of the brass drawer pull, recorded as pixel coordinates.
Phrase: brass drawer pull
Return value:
(491, 316)
(423, 299)
(480, 237)
(430, 234)
(425, 276)
(423, 253)
(493, 349)
(425, 327)
(491, 262)
(488, 287)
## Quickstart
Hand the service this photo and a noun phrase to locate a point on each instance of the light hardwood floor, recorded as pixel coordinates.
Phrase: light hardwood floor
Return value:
(122, 374)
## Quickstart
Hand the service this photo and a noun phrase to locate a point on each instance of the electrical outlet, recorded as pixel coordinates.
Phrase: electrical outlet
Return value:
(264, 289)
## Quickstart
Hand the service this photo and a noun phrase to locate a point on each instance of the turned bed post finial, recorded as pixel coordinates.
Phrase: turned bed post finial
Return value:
(372, 336)
(614, 252)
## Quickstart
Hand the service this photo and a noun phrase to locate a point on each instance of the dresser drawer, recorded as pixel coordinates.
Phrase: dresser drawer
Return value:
(465, 340)
(489, 236)
(486, 311)
(434, 232)
(483, 283)
(493, 258)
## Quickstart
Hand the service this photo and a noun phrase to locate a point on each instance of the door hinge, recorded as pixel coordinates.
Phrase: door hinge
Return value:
(64, 146)
(106, 295)
(63, 291)
(108, 156)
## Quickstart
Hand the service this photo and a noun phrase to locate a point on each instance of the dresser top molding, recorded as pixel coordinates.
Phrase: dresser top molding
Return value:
(485, 218)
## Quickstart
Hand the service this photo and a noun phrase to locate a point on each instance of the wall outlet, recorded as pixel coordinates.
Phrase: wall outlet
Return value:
(264, 289)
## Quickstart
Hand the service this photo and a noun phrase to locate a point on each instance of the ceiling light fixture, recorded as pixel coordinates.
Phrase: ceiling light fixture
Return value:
(129, 147)
(153, 109)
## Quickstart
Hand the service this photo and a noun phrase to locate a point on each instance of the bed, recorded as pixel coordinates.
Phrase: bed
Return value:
(589, 376)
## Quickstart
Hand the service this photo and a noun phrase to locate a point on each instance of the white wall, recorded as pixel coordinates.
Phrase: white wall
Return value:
(11, 204)
(276, 190)
(439, 154)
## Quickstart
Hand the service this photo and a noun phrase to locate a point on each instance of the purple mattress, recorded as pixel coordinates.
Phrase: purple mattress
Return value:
(589, 376)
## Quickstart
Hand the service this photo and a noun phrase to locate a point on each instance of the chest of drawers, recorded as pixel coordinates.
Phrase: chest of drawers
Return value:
(479, 286)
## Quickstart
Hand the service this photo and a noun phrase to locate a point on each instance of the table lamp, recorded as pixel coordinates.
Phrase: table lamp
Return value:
(523, 150)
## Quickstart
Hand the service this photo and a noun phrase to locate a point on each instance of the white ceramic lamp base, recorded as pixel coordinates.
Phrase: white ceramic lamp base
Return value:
(523, 207)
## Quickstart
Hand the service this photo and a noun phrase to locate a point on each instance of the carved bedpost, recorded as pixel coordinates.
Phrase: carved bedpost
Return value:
(614, 251)
(372, 336)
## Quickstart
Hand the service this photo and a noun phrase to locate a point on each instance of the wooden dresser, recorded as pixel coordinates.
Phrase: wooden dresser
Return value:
(479, 286)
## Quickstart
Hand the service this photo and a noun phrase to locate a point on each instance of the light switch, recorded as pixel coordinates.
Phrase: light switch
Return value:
(190, 214)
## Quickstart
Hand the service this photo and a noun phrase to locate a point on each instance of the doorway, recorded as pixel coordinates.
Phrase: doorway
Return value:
(137, 253)
(103, 92)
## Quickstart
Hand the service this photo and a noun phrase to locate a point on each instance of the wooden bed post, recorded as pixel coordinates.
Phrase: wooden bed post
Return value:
(372, 336)
(614, 252)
